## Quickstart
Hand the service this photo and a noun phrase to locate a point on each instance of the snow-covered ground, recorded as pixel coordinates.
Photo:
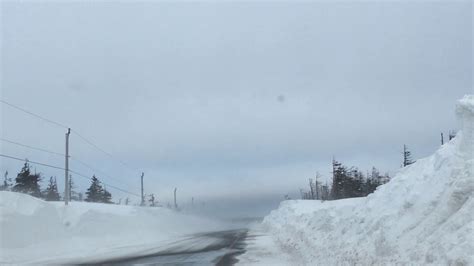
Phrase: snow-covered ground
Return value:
(424, 215)
(262, 250)
(33, 231)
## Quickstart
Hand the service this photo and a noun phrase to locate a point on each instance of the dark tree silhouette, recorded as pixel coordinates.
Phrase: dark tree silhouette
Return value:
(28, 183)
(407, 160)
(95, 192)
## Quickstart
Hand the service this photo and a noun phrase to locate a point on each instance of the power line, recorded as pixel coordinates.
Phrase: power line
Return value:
(33, 162)
(31, 147)
(57, 167)
(101, 150)
(66, 127)
(72, 171)
(91, 168)
(117, 188)
(33, 114)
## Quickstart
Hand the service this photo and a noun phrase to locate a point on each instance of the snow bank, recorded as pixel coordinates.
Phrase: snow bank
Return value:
(424, 215)
(34, 231)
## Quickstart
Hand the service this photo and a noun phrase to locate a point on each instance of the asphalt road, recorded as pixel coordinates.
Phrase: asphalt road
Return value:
(221, 249)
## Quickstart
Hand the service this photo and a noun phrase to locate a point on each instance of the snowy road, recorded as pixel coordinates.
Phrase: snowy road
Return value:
(214, 248)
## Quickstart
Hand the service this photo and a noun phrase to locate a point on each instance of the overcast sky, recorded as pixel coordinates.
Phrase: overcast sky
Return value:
(231, 100)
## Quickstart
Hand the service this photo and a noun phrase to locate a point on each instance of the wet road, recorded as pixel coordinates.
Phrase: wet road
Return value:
(221, 249)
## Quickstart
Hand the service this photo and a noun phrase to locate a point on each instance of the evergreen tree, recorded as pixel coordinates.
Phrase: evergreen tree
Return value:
(351, 183)
(406, 156)
(51, 193)
(373, 181)
(357, 181)
(106, 196)
(28, 183)
(95, 192)
(338, 180)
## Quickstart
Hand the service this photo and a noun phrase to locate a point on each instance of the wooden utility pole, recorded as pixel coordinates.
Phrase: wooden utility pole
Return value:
(66, 174)
(175, 204)
(316, 184)
(143, 197)
(70, 187)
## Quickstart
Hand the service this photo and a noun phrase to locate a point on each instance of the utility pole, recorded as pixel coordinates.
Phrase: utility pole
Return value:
(70, 187)
(442, 138)
(66, 182)
(316, 184)
(175, 204)
(143, 197)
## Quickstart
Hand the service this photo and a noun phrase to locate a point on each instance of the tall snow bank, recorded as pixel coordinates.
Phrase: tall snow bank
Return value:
(424, 215)
(35, 231)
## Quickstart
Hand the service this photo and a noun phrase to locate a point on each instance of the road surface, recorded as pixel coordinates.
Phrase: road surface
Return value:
(219, 248)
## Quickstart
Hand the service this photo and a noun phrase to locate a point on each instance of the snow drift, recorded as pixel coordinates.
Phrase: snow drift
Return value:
(39, 232)
(424, 215)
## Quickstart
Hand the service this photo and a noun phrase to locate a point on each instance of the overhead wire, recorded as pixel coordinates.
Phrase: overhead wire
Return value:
(59, 154)
(31, 147)
(101, 150)
(108, 185)
(29, 161)
(33, 114)
(73, 158)
(72, 130)
(70, 170)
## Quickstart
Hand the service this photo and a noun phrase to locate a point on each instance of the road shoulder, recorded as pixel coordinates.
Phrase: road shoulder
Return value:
(262, 249)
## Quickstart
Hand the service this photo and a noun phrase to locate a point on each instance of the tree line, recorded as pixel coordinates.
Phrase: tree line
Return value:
(352, 183)
(28, 182)
(349, 182)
